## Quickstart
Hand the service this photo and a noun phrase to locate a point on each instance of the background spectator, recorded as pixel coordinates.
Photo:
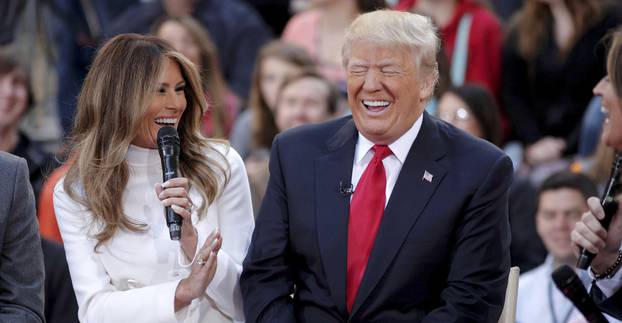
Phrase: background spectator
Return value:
(561, 202)
(236, 29)
(472, 38)
(15, 100)
(188, 37)
(302, 99)
(551, 60)
(321, 30)
(255, 127)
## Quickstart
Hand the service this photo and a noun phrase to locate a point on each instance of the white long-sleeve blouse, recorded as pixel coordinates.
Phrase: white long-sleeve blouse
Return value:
(133, 276)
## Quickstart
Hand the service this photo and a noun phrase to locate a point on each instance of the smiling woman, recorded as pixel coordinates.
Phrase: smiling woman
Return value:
(589, 232)
(110, 204)
(166, 108)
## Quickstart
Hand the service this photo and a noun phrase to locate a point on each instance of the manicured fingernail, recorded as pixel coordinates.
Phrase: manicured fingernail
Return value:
(165, 184)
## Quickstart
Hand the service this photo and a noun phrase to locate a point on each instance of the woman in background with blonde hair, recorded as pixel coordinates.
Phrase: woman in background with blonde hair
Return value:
(188, 37)
(110, 205)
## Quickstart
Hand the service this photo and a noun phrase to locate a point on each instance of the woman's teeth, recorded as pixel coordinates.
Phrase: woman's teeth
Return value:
(166, 121)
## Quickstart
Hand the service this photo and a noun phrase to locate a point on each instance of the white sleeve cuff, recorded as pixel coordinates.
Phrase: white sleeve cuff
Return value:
(609, 286)
(185, 261)
(224, 288)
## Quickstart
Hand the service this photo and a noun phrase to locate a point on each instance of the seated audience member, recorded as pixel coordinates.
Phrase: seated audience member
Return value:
(473, 109)
(472, 38)
(236, 29)
(549, 44)
(21, 259)
(188, 37)
(255, 128)
(321, 30)
(303, 99)
(561, 202)
(15, 100)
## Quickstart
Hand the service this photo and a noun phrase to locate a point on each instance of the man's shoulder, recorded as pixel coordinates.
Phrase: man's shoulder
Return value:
(315, 133)
(8, 163)
(463, 145)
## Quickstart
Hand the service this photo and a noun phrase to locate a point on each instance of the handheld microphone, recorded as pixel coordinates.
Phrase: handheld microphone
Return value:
(610, 206)
(168, 147)
(571, 286)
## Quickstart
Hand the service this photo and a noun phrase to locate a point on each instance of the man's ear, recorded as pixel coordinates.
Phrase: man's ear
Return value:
(427, 86)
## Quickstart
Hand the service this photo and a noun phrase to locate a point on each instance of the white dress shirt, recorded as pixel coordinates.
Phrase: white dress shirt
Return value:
(392, 164)
(538, 296)
(133, 276)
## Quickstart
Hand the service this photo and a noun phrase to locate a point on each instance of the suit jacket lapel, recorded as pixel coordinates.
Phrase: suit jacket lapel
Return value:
(408, 199)
(332, 208)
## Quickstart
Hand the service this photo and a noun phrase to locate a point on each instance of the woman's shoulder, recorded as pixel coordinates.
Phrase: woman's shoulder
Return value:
(222, 151)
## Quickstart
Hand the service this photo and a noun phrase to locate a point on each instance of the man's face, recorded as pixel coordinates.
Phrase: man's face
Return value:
(558, 212)
(385, 90)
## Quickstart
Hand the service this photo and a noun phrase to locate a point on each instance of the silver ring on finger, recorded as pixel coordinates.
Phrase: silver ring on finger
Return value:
(200, 261)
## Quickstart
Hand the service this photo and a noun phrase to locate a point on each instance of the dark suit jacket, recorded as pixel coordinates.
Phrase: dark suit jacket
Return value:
(442, 249)
(21, 259)
(611, 305)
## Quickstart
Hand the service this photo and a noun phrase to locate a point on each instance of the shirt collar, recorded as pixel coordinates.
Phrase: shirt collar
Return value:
(399, 147)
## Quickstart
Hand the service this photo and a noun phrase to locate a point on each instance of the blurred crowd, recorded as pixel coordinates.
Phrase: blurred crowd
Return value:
(519, 74)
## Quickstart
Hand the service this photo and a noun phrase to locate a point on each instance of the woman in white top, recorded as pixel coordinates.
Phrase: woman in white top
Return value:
(123, 265)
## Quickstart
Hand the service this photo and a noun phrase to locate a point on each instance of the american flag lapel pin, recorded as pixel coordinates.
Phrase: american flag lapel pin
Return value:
(427, 176)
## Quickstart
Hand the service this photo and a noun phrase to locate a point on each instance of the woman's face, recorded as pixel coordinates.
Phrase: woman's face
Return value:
(179, 37)
(13, 98)
(301, 102)
(612, 107)
(166, 108)
(455, 111)
(273, 72)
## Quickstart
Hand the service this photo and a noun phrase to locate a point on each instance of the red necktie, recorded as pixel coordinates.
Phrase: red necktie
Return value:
(366, 210)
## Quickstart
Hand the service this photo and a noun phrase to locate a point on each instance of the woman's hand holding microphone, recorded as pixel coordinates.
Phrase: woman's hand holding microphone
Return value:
(174, 193)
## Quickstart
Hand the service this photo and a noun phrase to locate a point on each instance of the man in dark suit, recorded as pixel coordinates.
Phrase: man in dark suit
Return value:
(386, 216)
(21, 260)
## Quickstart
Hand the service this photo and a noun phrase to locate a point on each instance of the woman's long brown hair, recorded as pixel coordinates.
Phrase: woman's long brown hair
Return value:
(116, 93)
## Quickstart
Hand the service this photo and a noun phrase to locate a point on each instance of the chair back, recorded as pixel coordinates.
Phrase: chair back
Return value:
(508, 315)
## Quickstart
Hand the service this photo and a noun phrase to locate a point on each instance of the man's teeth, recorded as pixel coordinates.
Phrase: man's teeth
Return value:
(375, 103)
(166, 120)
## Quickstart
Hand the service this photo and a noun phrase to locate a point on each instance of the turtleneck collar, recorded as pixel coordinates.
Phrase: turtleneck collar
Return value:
(139, 156)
